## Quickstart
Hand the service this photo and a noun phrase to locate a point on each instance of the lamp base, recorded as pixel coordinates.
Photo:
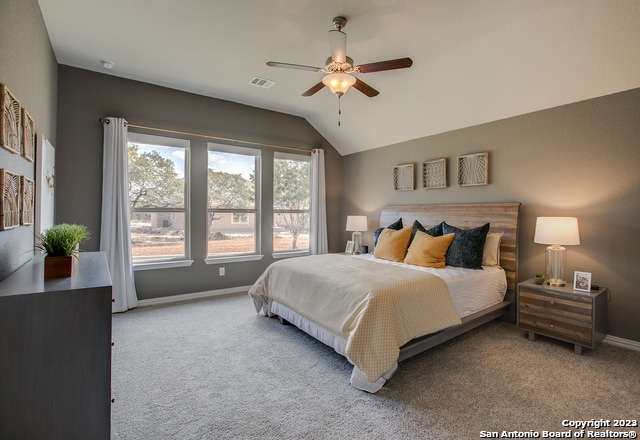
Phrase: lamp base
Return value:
(556, 265)
(556, 283)
(356, 237)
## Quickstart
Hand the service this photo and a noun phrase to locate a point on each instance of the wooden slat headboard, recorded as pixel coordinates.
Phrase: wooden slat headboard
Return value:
(503, 218)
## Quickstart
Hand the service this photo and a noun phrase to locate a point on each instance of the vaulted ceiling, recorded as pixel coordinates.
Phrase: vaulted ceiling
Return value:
(474, 61)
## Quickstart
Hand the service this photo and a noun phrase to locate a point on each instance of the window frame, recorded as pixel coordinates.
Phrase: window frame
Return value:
(256, 210)
(278, 155)
(185, 144)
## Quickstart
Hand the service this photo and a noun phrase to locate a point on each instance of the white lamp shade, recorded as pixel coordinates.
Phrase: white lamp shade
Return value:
(356, 223)
(557, 230)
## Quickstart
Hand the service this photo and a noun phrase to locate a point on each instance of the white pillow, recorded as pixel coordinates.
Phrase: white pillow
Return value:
(491, 253)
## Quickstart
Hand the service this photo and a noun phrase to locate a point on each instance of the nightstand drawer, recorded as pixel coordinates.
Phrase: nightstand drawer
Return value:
(570, 307)
(571, 330)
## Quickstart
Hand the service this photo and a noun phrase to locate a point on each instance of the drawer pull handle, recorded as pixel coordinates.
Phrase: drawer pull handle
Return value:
(551, 325)
(551, 302)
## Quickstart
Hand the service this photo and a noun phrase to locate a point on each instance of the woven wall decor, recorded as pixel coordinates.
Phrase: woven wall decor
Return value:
(28, 136)
(473, 169)
(403, 177)
(434, 174)
(28, 195)
(10, 202)
(10, 121)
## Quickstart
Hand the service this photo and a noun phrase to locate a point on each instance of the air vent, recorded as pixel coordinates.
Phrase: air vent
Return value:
(261, 82)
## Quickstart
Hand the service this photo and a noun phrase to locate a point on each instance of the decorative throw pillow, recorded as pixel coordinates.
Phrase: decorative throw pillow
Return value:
(434, 231)
(397, 225)
(429, 251)
(393, 244)
(491, 254)
(467, 248)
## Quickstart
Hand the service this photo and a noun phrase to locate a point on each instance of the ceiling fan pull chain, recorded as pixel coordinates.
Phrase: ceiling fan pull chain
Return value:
(339, 111)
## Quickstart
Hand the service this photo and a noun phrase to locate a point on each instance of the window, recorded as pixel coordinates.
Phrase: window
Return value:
(233, 188)
(291, 202)
(158, 197)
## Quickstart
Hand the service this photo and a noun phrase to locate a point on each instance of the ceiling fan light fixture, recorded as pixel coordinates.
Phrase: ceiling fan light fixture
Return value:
(338, 83)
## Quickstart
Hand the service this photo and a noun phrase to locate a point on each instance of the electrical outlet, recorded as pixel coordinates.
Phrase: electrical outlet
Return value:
(221, 271)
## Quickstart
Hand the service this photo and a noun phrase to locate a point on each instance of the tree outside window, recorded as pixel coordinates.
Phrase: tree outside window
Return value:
(291, 202)
(158, 168)
(232, 190)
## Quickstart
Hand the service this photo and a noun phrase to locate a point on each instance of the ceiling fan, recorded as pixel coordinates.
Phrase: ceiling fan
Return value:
(339, 66)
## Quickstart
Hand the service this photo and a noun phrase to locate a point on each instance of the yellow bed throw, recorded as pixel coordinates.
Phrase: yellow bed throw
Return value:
(375, 307)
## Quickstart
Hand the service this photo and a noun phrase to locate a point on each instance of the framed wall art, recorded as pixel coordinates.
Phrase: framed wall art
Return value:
(45, 184)
(28, 199)
(434, 174)
(403, 177)
(28, 136)
(473, 169)
(10, 202)
(10, 121)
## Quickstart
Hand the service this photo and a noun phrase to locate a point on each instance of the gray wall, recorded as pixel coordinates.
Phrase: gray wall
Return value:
(85, 96)
(578, 160)
(28, 68)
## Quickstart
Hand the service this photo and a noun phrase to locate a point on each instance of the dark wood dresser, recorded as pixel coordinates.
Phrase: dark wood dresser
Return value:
(55, 352)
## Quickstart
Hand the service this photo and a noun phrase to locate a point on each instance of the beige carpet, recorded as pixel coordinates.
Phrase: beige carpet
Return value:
(214, 369)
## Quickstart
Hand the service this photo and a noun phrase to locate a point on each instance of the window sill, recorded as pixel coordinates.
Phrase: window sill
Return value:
(233, 259)
(290, 254)
(162, 265)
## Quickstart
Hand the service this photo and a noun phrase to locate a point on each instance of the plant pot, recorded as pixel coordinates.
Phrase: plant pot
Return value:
(58, 267)
(539, 278)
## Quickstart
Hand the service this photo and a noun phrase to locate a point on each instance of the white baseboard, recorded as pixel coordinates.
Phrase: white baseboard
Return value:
(190, 296)
(621, 342)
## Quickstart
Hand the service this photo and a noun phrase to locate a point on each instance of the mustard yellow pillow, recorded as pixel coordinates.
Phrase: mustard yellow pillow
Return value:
(429, 251)
(392, 245)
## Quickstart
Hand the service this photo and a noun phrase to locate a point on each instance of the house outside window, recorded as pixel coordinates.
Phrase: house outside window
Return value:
(158, 170)
(233, 189)
(291, 202)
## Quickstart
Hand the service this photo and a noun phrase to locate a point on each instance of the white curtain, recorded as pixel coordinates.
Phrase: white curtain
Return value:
(114, 236)
(318, 243)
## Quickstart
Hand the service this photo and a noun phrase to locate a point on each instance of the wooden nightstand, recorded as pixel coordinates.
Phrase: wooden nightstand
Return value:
(562, 313)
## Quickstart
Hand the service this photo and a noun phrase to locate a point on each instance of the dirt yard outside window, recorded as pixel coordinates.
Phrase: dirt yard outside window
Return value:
(145, 245)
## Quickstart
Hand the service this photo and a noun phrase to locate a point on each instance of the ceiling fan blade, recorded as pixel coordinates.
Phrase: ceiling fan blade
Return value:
(293, 66)
(313, 90)
(365, 88)
(338, 46)
(400, 63)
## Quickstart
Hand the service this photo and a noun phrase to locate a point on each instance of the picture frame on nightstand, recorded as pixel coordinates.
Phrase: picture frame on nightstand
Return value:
(349, 248)
(582, 281)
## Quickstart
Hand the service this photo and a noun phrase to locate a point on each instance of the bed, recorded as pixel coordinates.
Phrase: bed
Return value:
(376, 311)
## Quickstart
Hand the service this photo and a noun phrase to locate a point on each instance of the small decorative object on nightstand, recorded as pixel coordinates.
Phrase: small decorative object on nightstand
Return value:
(538, 278)
(563, 313)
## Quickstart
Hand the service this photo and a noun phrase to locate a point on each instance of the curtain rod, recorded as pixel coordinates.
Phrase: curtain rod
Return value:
(207, 136)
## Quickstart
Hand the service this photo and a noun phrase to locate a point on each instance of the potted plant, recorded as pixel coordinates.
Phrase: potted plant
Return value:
(61, 245)
(539, 278)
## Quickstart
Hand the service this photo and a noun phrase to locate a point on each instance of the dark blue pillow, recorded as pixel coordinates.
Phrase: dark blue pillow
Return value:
(397, 225)
(467, 248)
(435, 231)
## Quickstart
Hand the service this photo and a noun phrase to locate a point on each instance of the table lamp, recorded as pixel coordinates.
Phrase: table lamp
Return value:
(356, 223)
(556, 232)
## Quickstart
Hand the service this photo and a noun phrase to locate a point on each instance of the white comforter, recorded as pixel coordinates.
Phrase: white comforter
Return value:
(376, 308)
